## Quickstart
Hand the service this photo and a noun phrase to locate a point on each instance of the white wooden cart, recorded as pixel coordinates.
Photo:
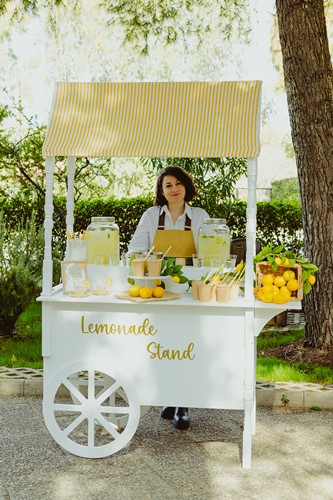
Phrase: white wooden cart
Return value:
(105, 358)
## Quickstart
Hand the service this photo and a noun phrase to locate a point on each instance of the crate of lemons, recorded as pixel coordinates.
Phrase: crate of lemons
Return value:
(282, 276)
(157, 289)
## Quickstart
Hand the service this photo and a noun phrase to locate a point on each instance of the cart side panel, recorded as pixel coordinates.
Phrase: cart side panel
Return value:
(172, 356)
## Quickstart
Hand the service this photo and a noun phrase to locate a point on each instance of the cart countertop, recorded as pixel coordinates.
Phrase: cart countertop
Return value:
(185, 299)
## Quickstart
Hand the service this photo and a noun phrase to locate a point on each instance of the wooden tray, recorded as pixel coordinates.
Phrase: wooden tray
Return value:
(166, 296)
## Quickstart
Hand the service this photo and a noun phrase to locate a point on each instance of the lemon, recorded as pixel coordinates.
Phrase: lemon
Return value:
(268, 288)
(285, 262)
(218, 240)
(134, 291)
(216, 278)
(146, 292)
(276, 289)
(267, 279)
(108, 281)
(278, 261)
(267, 297)
(239, 267)
(312, 279)
(157, 282)
(158, 292)
(279, 281)
(176, 279)
(292, 285)
(289, 275)
(280, 298)
(86, 283)
(260, 293)
(285, 290)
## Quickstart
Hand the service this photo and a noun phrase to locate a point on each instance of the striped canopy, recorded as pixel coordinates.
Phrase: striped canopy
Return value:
(160, 119)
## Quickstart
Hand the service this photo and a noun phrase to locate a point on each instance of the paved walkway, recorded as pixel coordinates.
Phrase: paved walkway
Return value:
(291, 458)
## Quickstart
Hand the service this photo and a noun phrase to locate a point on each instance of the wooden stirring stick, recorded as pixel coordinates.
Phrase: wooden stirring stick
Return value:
(150, 251)
(166, 252)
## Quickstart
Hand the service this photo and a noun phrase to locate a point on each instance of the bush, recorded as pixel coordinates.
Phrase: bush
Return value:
(278, 223)
(21, 254)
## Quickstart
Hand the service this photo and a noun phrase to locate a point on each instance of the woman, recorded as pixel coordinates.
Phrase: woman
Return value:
(171, 222)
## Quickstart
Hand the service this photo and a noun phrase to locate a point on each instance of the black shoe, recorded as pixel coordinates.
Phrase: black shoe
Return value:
(181, 420)
(168, 412)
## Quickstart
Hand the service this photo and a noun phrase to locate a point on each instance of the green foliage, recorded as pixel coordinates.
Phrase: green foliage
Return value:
(275, 369)
(25, 347)
(215, 179)
(286, 190)
(277, 222)
(22, 165)
(144, 20)
(169, 268)
(20, 270)
(269, 253)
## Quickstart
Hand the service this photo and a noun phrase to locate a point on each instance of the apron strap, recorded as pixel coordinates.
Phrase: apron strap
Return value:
(161, 222)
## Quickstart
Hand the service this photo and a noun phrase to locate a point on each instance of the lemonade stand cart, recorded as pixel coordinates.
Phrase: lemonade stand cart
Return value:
(105, 358)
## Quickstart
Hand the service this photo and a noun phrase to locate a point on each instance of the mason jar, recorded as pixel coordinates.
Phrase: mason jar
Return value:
(102, 241)
(214, 241)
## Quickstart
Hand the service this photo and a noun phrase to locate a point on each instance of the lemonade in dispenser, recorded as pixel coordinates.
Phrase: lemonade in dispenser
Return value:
(102, 241)
(214, 239)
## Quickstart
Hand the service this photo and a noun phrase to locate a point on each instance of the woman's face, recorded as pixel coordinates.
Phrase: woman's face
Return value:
(173, 190)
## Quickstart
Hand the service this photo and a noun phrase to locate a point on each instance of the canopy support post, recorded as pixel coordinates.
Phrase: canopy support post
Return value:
(70, 194)
(48, 226)
(251, 218)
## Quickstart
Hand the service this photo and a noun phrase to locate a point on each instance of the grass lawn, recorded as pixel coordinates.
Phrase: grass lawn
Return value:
(25, 350)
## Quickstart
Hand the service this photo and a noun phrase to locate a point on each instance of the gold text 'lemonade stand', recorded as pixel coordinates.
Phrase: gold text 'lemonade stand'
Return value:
(106, 358)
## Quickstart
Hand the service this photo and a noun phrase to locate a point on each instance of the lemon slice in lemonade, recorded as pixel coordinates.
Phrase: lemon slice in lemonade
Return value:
(218, 240)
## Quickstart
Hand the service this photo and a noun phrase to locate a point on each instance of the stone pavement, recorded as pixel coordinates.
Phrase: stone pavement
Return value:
(291, 458)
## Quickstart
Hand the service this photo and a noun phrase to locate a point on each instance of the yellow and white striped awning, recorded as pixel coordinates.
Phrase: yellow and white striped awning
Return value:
(160, 119)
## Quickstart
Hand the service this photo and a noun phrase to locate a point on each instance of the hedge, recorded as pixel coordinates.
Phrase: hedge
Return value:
(277, 222)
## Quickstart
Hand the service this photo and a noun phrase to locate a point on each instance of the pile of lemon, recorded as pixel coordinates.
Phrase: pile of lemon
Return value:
(278, 289)
(146, 292)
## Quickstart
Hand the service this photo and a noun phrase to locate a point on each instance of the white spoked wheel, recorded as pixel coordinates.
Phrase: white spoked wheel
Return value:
(84, 418)
(104, 381)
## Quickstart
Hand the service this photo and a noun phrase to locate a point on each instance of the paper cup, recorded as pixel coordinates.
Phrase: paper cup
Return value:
(223, 293)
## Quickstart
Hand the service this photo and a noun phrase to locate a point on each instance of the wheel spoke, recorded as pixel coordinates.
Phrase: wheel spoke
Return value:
(74, 390)
(107, 392)
(73, 425)
(91, 384)
(108, 426)
(67, 407)
(115, 409)
(91, 431)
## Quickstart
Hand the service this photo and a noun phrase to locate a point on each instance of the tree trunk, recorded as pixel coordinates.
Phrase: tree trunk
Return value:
(309, 85)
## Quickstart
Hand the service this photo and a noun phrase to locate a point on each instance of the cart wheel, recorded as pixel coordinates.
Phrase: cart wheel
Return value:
(104, 381)
(87, 424)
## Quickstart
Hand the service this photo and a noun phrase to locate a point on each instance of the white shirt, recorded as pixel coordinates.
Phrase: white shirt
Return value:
(144, 234)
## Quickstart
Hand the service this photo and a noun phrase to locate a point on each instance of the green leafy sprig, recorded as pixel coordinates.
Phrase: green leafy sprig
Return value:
(270, 253)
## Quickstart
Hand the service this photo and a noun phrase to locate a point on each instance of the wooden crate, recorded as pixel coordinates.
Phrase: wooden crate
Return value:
(263, 268)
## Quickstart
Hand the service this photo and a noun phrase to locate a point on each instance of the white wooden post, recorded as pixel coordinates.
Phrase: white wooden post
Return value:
(48, 225)
(251, 223)
(70, 193)
(249, 381)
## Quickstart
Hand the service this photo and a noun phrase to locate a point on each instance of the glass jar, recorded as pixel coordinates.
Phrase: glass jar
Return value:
(214, 240)
(102, 241)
